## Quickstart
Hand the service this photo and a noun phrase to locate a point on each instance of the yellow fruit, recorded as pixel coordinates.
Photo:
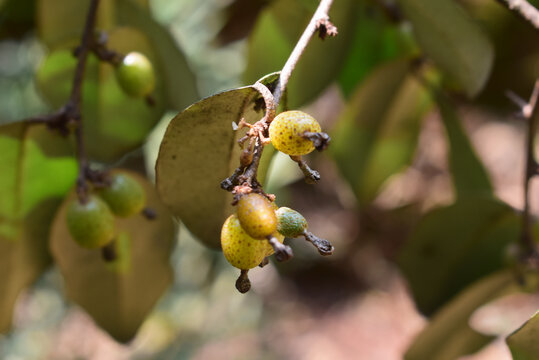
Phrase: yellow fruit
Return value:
(290, 222)
(286, 132)
(241, 250)
(257, 215)
(90, 224)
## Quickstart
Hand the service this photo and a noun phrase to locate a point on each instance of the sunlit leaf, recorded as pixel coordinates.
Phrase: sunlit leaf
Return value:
(377, 132)
(37, 171)
(455, 245)
(523, 342)
(469, 174)
(119, 295)
(448, 335)
(277, 30)
(110, 116)
(198, 151)
(450, 37)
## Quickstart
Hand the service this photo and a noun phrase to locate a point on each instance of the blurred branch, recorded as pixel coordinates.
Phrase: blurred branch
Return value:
(524, 9)
(531, 112)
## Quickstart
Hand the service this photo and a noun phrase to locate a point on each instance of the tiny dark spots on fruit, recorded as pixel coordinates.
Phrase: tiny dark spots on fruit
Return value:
(173, 157)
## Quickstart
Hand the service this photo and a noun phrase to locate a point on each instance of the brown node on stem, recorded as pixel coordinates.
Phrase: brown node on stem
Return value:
(243, 284)
(320, 140)
(326, 28)
(324, 246)
(108, 252)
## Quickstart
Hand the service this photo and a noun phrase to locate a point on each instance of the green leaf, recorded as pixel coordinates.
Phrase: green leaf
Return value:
(119, 295)
(37, 171)
(523, 342)
(450, 37)
(276, 32)
(375, 42)
(377, 132)
(455, 245)
(469, 174)
(198, 151)
(448, 335)
(110, 116)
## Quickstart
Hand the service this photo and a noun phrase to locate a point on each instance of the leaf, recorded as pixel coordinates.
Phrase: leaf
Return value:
(376, 41)
(523, 342)
(198, 151)
(469, 174)
(451, 38)
(277, 30)
(37, 171)
(448, 335)
(377, 132)
(17, 17)
(455, 245)
(119, 295)
(180, 83)
(110, 116)
(60, 22)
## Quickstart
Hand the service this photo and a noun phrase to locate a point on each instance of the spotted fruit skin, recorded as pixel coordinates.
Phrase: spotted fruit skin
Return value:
(91, 225)
(257, 215)
(290, 222)
(241, 250)
(135, 75)
(125, 196)
(286, 132)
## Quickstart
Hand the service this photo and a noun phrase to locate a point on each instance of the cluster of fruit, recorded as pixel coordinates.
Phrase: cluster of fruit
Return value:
(258, 228)
(91, 221)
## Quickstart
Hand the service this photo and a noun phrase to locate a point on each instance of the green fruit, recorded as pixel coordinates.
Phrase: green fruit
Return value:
(290, 222)
(286, 132)
(125, 196)
(257, 215)
(91, 224)
(135, 75)
(241, 250)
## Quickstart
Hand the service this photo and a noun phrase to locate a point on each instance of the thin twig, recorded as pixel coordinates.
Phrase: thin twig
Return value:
(320, 16)
(524, 9)
(528, 241)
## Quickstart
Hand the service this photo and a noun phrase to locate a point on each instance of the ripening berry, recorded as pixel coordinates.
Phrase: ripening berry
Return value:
(290, 222)
(241, 250)
(286, 132)
(125, 196)
(91, 224)
(135, 75)
(257, 215)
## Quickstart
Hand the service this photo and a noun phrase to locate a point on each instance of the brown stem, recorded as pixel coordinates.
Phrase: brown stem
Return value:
(523, 9)
(324, 246)
(311, 176)
(531, 112)
(282, 252)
